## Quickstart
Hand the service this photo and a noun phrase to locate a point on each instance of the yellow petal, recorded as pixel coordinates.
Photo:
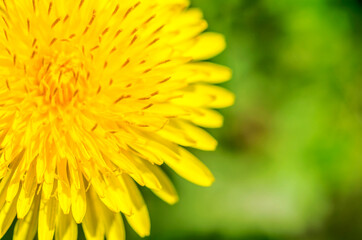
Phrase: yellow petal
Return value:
(24, 203)
(147, 153)
(13, 187)
(116, 196)
(79, 205)
(205, 117)
(148, 177)
(187, 134)
(190, 168)
(152, 121)
(27, 192)
(181, 2)
(41, 163)
(64, 193)
(106, 221)
(204, 72)
(47, 214)
(191, 23)
(139, 220)
(25, 229)
(203, 95)
(157, 181)
(3, 188)
(113, 224)
(10, 172)
(154, 148)
(7, 215)
(47, 189)
(92, 223)
(206, 45)
(167, 191)
(66, 227)
(165, 109)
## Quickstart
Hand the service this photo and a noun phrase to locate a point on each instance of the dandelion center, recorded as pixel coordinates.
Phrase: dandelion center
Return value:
(60, 78)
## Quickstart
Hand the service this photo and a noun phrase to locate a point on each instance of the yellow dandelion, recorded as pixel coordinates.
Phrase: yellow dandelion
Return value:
(94, 96)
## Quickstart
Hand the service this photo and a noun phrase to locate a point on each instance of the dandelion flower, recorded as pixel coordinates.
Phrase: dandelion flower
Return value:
(94, 96)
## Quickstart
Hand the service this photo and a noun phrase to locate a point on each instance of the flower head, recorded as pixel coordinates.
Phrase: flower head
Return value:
(94, 95)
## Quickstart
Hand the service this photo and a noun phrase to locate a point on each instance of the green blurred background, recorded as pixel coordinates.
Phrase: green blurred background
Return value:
(288, 165)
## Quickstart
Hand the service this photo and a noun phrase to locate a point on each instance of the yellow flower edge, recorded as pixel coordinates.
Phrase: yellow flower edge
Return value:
(94, 96)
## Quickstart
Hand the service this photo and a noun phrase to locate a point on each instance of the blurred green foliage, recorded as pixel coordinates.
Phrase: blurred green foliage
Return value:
(288, 164)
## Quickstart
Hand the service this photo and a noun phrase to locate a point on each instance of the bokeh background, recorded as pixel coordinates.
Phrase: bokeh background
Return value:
(289, 161)
(288, 165)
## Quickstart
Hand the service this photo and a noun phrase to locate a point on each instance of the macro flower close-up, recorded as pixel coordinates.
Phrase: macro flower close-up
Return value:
(95, 96)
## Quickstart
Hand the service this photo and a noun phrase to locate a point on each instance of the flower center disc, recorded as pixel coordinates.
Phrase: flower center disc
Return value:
(60, 77)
